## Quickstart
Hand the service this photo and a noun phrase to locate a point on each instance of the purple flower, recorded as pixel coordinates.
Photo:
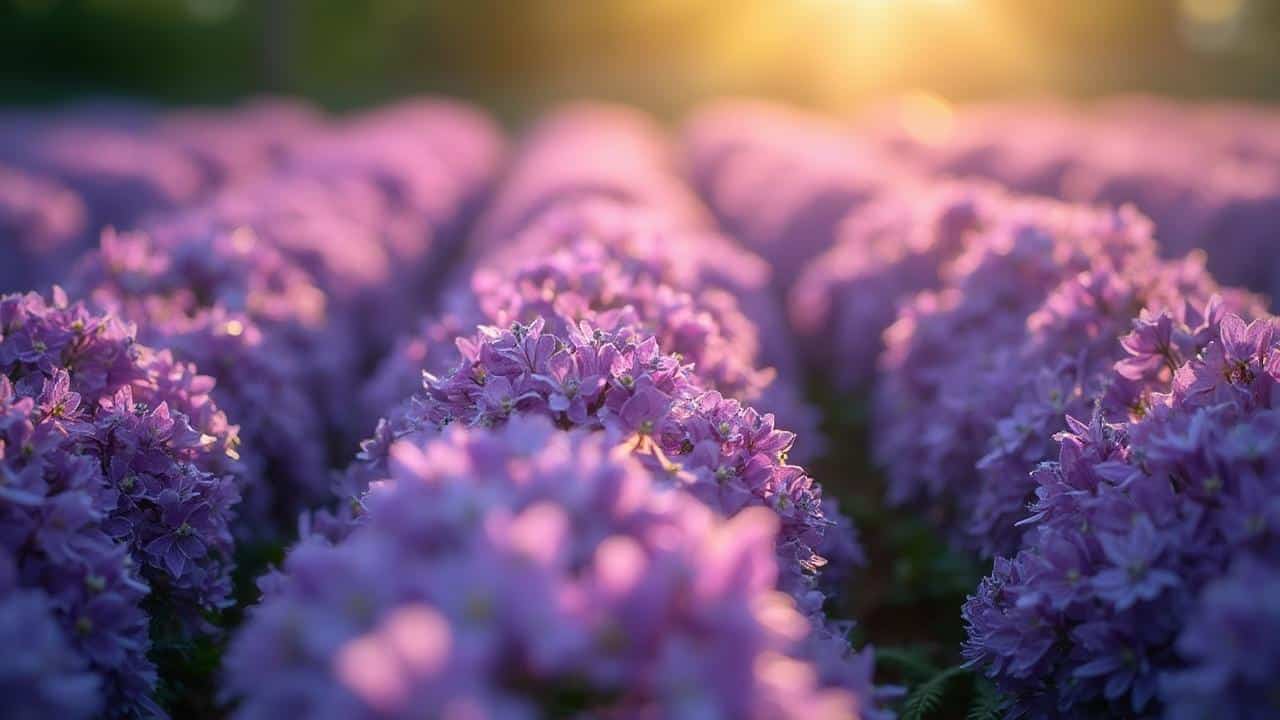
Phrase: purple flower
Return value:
(181, 544)
(1133, 574)
(42, 223)
(1232, 365)
(1151, 518)
(293, 280)
(42, 676)
(614, 267)
(1230, 647)
(1151, 346)
(107, 450)
(495, 567)
(642, 412)
(887, 251)
(1202, 186)
(728, 455)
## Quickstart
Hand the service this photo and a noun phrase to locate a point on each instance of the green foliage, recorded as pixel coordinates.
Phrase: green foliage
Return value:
(189, 678)
(987, 703)
(935, 693)
(926, 698)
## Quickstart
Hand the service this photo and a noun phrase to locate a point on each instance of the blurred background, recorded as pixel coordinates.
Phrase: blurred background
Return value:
(516, 57)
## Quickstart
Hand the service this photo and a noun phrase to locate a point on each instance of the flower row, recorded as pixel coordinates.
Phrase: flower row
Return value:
(121, 476)
(578, 510)
(1054, 393)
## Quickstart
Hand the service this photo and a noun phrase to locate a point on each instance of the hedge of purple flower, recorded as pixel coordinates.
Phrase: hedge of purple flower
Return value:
(1020, 336)
(537, 434)
(781, 181)
(950, 370)
(527, 572)
(285, 285)
(66, 174)
(884, 253)
(594, 242)
(588, 321)
(1205, 173)
(117, 499)
(615, 377)
(599, 300)
(1127, 590)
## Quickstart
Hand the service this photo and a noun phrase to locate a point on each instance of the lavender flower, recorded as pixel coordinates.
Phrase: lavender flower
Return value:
(1205, 174)
(739, 150)
(952, 367)
(290, 284)
(1136, 527)
(609, 265)
(886, 252)
(41, 676)
(41, 223)
(616, 378)
(1230, 646)
(524, 571)
(117, 481)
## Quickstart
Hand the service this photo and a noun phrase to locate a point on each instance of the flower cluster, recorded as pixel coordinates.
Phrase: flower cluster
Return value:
(588, 151)
(952, 369)
(1062, 367)
(65, 175)
(117, 483)
(615, 377)
(1001, 362)
(40, 222)
(1155, 532)
(600, 274)
(1205, 174)
(289, 284)
(527, 572)
(1229, 646)
(739, 152)
(886, 251)
(609, 264)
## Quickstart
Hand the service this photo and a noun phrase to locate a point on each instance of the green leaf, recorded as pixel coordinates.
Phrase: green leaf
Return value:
(987, 702)
(926, 698)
